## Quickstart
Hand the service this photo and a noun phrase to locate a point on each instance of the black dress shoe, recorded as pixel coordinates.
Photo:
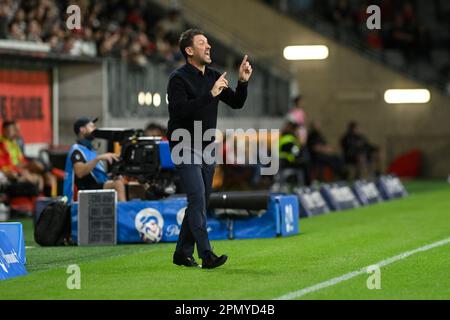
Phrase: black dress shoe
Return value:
(211, 261)
(182, 260)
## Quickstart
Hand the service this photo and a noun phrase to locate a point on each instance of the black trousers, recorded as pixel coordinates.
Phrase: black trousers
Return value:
(196, 180)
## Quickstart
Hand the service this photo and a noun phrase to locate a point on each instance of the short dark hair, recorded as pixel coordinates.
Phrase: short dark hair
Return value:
(7, 124)
(186, 40)
(352, 125)
(153, 126)
(297, 99)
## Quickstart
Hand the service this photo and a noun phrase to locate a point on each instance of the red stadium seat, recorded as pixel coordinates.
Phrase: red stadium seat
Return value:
(407, 165)
(23, 204)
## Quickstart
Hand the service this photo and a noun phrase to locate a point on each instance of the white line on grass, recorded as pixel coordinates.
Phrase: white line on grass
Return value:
(347, 276)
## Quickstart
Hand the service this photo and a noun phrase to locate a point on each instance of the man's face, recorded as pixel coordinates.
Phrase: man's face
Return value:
(10, 132)
(200, 51)
(86, 131)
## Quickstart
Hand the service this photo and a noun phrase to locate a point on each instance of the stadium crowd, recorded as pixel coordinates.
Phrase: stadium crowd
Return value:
(407, 37)
(127, 29)
(402, 29)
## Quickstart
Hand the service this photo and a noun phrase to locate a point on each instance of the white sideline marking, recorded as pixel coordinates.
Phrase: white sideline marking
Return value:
(347, 276)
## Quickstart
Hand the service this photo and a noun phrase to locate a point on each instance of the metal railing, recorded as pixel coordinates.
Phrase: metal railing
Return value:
(132, 90)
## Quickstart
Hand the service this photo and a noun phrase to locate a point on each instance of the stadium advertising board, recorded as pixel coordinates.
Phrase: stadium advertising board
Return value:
(10, 264)
(25, 98)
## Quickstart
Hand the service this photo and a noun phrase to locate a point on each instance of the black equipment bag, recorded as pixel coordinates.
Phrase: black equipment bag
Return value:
(53, 227)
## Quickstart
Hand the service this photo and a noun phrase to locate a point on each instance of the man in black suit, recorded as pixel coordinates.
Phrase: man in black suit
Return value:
(194, 91)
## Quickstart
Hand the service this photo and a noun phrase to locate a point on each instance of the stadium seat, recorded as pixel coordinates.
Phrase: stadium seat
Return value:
(23, 205)
(407, 165)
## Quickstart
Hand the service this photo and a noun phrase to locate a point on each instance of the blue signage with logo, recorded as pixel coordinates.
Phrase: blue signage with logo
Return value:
(311, 202)
(288, 206)
(160, 221)
(14, 232)
(339, 196)
(367, 192)
(391, 187)
(10, 265)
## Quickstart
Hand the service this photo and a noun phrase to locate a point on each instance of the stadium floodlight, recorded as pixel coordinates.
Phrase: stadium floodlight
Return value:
(148, 98)
(396, 96)
(157, 100)
(315, 52)
(141, 98)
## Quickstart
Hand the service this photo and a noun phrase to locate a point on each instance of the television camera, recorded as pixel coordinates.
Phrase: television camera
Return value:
(146, 160)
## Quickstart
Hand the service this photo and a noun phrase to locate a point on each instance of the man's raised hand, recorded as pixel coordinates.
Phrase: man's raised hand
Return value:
(220, 84)
(245, 70)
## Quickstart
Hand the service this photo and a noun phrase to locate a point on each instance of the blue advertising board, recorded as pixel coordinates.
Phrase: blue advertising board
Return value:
(367, 192)
(311, 202)
(339, 196)
(10, 265)
(160, 221)
(14, 233)
(391, 187)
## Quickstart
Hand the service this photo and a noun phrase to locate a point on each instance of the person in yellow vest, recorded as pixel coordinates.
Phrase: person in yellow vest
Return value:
(290, 146)
(293, 160)
(18, 168)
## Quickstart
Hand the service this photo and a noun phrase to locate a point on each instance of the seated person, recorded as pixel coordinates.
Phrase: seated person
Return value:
(17, 182)
(359, 152)
(322, 153)
(84, 166)
(16, 167)
(43, 166)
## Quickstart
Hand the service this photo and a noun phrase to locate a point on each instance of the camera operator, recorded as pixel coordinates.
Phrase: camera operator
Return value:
(85, 167)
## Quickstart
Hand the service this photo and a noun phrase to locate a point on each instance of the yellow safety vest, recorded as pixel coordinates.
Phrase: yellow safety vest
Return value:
(288, 139)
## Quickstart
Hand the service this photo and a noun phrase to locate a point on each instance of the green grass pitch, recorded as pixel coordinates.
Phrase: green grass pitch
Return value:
(328, 246)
